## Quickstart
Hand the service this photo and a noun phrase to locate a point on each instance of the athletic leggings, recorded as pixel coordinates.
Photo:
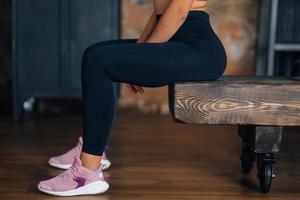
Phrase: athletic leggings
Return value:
(194, 53)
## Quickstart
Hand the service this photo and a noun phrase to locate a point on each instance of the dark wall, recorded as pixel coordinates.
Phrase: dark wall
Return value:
(5, 56)
(5, 41)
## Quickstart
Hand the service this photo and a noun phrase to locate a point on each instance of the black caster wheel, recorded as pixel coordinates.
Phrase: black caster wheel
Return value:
(265, 163)
(265, 177)
(247, 158)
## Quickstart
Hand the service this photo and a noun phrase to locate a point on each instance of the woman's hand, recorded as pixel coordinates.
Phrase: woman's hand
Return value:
(134, 88)
(171, 20)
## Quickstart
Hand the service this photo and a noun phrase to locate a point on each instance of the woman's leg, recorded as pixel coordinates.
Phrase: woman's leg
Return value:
(116, 41)
(143, 64)
(65, 160)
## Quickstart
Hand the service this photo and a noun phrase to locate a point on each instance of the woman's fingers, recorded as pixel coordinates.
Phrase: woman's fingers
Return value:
(135, 88)
(139, 89)
(131, 88)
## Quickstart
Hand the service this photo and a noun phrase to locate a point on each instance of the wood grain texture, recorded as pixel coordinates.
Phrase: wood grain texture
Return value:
(153, 158)
(238, 100)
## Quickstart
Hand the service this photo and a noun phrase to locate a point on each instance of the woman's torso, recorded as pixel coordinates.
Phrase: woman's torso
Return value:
(196, 26)
(196, 30)
(161, 5)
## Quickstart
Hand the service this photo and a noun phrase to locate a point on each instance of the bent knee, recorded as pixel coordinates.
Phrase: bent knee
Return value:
(94, 61)
(90, 51)
(94, 54)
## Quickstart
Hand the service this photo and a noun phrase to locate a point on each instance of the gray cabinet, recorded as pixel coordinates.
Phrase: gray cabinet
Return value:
(49, 37)
(278, 44)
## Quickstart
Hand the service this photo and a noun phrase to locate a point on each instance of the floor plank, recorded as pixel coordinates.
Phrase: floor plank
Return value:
(152, 158)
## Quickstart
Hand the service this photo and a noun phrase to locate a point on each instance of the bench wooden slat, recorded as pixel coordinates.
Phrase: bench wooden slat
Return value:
(238, 100)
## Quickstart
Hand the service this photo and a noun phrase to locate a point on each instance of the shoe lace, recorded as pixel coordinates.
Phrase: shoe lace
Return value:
(70, 173)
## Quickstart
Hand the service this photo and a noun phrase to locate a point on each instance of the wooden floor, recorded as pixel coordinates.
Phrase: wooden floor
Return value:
(152, 158)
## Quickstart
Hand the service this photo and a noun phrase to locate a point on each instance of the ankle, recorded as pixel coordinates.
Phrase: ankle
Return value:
(90, 161)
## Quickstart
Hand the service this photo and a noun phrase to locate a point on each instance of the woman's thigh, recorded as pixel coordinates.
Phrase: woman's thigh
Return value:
(113, 41)
(154, 64)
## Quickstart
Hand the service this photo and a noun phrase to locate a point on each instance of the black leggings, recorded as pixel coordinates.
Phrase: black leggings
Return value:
(194, 53)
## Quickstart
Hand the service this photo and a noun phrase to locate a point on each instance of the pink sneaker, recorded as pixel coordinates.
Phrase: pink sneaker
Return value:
(77, 180)
(65, 160)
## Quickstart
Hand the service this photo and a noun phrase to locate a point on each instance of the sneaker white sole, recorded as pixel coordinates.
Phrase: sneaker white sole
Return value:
(89, 189)
(106, 164)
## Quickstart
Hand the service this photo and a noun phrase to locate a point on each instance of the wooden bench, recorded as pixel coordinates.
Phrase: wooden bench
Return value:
(260, 106)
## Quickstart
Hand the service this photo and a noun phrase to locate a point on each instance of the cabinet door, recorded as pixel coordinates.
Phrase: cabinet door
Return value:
(37, 44)
(90, 21)
(288, 24)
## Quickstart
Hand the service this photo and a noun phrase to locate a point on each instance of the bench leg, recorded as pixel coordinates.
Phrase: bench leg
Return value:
(261, 139)
(260, 143)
